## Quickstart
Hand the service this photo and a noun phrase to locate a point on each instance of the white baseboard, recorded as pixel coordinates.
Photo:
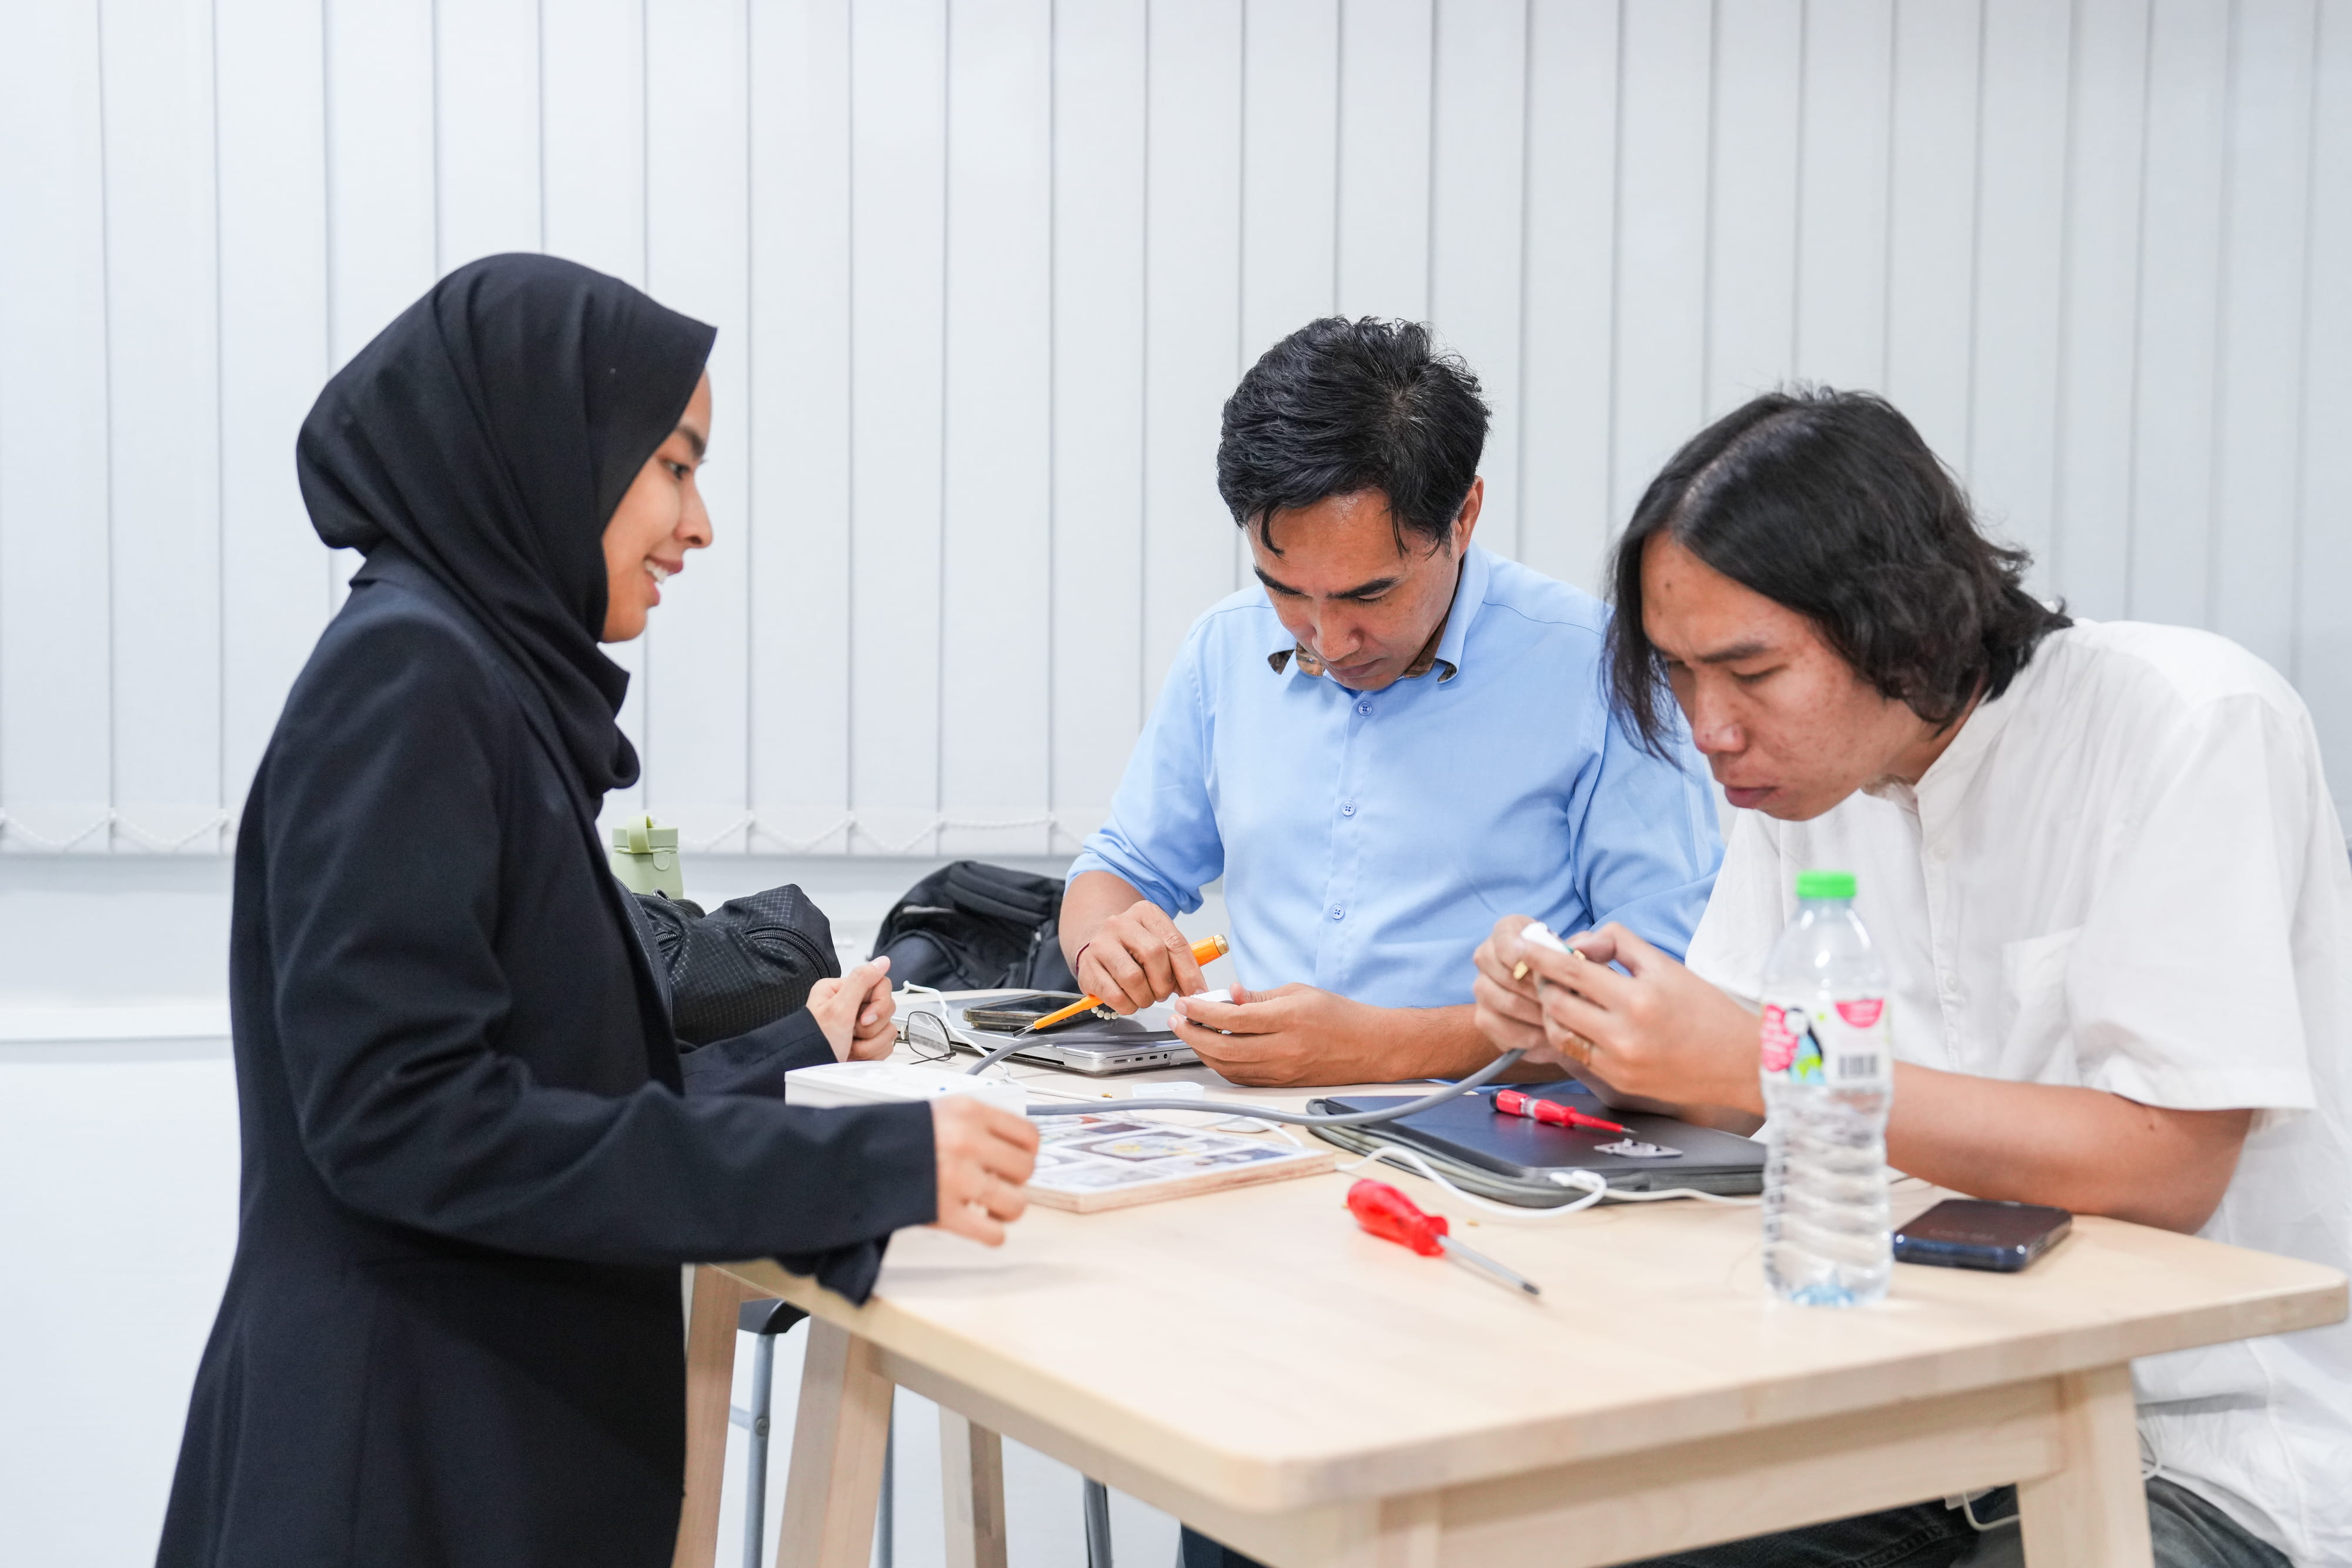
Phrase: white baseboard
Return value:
(190, 1021)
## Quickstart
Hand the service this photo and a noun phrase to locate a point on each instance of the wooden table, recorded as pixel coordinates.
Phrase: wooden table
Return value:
(1253, 1363)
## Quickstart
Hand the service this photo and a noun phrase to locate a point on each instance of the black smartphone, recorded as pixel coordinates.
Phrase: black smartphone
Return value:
(1016, 1012)
(1974, 1233)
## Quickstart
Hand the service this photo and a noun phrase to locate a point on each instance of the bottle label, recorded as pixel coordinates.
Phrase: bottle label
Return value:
(1841, 1045)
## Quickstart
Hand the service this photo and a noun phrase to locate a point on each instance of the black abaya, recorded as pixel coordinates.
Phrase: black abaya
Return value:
(451, 1332)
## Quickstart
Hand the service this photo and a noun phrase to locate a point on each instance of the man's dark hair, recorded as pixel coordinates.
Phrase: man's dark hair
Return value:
(1341, 407)
(1830, 503)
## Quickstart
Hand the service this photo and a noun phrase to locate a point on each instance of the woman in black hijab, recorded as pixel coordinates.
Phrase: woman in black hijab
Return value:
(451, 1333)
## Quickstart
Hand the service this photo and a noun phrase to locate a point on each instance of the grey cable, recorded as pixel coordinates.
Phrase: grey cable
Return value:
(1484, 1076)
(1019, 1042)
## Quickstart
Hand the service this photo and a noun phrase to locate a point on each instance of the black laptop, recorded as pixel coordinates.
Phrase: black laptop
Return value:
(1512, 1158)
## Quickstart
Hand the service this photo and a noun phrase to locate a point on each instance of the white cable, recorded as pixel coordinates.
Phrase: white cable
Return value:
(1968, 1512)
(1593, 1185)
(1629, 1195)
(1596, 1187)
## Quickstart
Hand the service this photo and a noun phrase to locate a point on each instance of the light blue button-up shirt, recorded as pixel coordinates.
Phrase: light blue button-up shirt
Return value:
(1369, 840)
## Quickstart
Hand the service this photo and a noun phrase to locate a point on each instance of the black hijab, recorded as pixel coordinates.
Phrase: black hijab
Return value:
(488, 433)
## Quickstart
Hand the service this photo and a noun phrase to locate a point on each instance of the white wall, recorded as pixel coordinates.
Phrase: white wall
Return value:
(985, 270)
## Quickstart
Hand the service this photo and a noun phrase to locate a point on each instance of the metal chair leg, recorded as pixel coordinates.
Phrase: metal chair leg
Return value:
(1098, 1506)
(764, 1320)
(755, 1469)
(886, 1520)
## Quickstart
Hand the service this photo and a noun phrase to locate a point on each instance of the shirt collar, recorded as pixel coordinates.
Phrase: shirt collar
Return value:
(1951, 771)
(1442, 651)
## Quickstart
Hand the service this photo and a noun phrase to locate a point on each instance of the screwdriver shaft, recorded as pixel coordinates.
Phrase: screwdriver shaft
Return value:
(1471, 1257)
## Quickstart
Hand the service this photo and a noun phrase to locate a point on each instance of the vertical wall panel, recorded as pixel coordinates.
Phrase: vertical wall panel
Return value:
(1842, 194)
(696, 654)
(1192, 349)
(274, 353)
(591, 152)
(1478, 165)
(1381, 208)
(2011, 455)
(1290, 122)
(2090, 555)
(1100, 76)
(1756, 68)
(1571, 281)
(898, 237)
(1662, 241)
(985, 270)
(1932, 239)
(997, 559)
(798, 529)
(383, 225)
(55, 674)
(2181, 278)
(2263, 327)
(164, 418)
(487, 122)
(2323, 558)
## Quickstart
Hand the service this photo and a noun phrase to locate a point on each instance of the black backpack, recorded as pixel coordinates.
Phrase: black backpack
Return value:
(969, 928)
(747, 963)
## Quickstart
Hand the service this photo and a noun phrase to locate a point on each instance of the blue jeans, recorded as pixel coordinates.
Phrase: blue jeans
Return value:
(2186, 1532)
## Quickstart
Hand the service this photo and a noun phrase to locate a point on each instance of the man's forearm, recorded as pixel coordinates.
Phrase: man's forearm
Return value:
(2083, 1150)
(1435, 1042)
(1091, 898)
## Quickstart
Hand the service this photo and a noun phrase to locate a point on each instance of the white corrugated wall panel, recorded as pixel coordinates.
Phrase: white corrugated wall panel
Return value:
(984, 271)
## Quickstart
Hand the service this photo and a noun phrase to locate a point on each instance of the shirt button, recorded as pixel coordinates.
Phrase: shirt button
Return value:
(1337, 913)
(1346, 808)
(1364, 708)
(1951, 983)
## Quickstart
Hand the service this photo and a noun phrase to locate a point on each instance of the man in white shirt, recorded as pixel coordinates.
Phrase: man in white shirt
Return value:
(2109, 883)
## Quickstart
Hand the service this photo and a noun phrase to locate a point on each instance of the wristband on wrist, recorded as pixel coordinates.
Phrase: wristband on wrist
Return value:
(1078, 957)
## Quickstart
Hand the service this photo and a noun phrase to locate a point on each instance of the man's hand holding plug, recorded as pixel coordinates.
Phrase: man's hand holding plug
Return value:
(1648, 1035)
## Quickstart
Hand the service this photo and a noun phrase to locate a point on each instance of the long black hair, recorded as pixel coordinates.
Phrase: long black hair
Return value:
(1830, 503)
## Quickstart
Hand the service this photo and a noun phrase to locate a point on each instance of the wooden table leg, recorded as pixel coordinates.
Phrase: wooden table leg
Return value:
(839, 1437)
(2091, 1511)
(709, 1391)
(972, 1471)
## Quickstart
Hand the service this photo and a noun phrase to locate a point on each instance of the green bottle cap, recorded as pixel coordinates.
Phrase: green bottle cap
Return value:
(1825, 885)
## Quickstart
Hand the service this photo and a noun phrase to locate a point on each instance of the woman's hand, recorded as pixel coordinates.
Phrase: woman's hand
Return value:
(854, 1012)
(984, 1156)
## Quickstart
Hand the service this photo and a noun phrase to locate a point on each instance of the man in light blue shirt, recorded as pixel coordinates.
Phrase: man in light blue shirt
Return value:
(1394, 739)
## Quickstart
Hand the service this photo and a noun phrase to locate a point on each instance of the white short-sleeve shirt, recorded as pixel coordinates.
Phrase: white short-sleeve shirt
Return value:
(2126, 873)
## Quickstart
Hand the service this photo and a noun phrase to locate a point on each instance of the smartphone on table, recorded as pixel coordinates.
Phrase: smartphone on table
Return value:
(1977, 1233)
(1016, 1012)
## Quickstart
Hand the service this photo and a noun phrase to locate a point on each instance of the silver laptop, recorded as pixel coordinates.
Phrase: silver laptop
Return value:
(1096, 1046)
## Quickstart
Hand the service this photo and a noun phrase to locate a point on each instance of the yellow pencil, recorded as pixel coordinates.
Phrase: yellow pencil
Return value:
(1205, 951)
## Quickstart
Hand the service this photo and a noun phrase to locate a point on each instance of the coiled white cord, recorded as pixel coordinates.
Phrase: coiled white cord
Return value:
(1595, 1185)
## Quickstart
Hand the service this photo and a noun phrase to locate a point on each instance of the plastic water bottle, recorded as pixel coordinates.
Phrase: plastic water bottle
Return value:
(1829, 1078)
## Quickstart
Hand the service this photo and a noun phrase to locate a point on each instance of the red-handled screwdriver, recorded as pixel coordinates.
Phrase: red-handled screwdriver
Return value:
(1391, 1216)
(1512, 1102)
